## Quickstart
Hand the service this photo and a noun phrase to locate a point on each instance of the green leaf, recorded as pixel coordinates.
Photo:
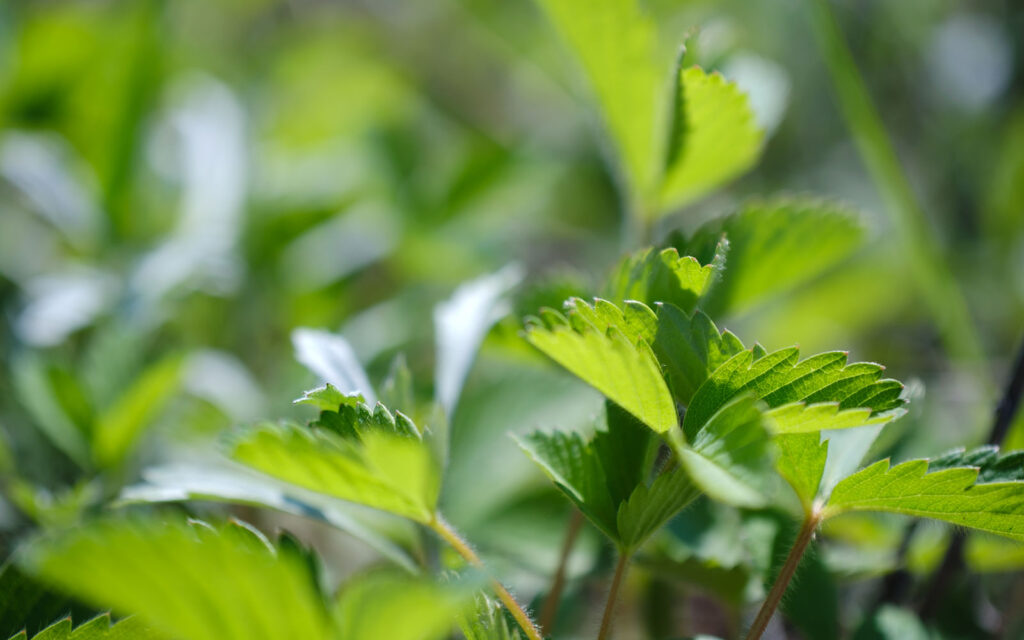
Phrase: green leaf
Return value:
(615, 43)
(188, 582)
(25, 602)
(394, 606)
(975, 489)
(329, 398)
(606, 477)
(119, 427)
(488, 620)
(714, 137)
(38, 397)
(651, 276)
(730, 455)
(592, 343)
(374, 458)
(801, 461)
(803, 396)
(691, 348)
(775, 246)
(99, 628)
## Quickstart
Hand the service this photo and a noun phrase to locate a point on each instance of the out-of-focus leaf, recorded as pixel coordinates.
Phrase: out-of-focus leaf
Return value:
(893, 623)
(619, 365)
(616, 46)
(461, 322)
(329, 356)
(38, 398)
(714, 137)
(488, 620)
(119, 427)
(370, 457)
(99, 628)
(652, 276)
(397, 607)
(972, 489)
(186, 581)
(25, 603)
(775, 246)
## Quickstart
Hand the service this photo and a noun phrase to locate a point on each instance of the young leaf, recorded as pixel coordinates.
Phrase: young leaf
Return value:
(648, 508)
(973, 489)
(615, 43)
(714, 137)
(591, 344)
(801, 461)
(187, 582)
(651, 276)
(99, 628)
(775, 246)
(690, 348)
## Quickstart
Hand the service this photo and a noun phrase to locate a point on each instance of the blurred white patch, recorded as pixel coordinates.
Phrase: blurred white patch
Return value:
(970, 60)
(329, 356)
(340, 246)
(461, 322)
(46, 172)
(223, 380)
(59, 304)
(380, 328)
(766, 85)
(208, 124)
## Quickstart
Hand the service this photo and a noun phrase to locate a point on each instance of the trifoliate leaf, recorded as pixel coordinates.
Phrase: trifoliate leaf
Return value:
(803, 396)
(619, 365)
(99, 628)
(775, 246)
(714, 137)
(187, 582)
(397, 607)
(615, 43)
(801, 461)
(690, 348)
(651, 276)
(973, 489)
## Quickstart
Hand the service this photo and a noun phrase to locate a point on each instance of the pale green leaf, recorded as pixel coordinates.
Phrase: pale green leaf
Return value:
(652, 276)
(488, 620)
(328, 398)
(120, 426)
(99, 628)
(37, 395)
(775, 246)
(620, 366)
(394, 606)
(973, 489)
(188, 582)
(714, 137)
(615, 44)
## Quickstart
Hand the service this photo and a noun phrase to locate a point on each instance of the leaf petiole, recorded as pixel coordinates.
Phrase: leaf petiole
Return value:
(613, 592)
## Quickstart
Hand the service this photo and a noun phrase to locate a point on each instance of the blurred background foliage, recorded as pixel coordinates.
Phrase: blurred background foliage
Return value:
(182, 184)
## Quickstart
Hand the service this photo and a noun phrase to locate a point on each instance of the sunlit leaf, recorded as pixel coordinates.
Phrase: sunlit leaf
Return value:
(99, 628)
(394, 606)
(651, 276)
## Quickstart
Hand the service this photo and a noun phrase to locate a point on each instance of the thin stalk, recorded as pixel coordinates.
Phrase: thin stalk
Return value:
(613, 592)
(550, 606)
(939, 288)
(796, 553)
(452, 537)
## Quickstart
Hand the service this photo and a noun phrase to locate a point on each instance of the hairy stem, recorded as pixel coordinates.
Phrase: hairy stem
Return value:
(796, 553)
(452, 537)
(934, 279)
(550, 606)
(613, 592)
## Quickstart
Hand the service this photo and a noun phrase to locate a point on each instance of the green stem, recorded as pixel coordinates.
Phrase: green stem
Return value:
(448, 533)
(550, 606)
(936, 282)
(613, 592)
(796, 553)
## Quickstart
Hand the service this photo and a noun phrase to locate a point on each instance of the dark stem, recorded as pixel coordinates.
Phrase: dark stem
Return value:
(613, 592)
(550, 607)
(796, 553)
